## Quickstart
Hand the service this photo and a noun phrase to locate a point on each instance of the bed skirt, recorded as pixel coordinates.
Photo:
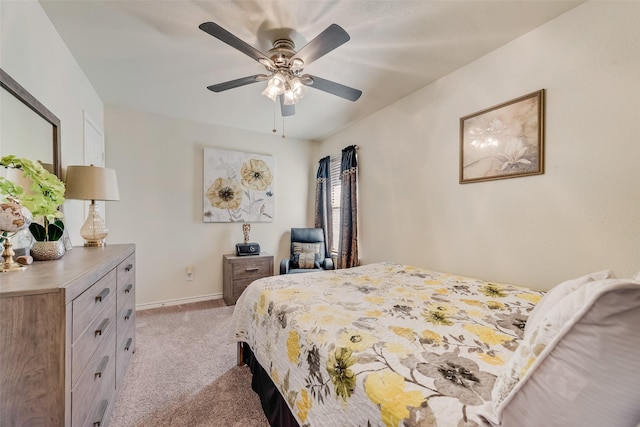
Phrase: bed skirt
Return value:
(273, 404)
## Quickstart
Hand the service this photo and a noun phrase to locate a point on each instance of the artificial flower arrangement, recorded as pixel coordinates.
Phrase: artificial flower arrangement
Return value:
(45, 196)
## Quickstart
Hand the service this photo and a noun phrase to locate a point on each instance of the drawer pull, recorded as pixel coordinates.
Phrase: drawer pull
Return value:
(128, 288)
(128, 315)
(252, 269)
(102, 366)
(128, 268)
(101, 412)
(102, 295)
(128, 344)
(102, 327)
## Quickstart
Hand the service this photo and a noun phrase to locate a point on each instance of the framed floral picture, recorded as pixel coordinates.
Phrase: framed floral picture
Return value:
(238, 186)
(504, 141)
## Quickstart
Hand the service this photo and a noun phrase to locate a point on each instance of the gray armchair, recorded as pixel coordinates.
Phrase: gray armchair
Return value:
(303, 242)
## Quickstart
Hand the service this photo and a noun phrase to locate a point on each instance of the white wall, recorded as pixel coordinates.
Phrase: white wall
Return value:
(159, 164)
(33, 53)
(582, 215)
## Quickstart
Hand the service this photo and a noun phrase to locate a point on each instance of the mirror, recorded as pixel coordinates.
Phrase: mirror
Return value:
(23, 133)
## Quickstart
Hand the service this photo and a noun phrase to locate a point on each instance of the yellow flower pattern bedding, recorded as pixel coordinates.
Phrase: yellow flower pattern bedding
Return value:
(382, 344)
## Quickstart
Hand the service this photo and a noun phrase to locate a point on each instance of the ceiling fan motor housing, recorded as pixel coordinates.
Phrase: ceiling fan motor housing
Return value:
(281, 54)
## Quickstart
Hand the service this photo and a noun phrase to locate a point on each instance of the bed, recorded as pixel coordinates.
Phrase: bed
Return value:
(393, 345)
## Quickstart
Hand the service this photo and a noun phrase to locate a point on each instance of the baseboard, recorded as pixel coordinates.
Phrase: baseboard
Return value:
(178, 301)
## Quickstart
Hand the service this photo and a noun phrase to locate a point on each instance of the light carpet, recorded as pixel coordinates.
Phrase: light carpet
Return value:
(184, 372)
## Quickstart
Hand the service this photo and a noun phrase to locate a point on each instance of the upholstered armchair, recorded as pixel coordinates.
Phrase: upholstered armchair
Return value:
(308, 252)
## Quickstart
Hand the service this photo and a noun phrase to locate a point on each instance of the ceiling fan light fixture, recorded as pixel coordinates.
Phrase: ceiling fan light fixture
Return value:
(295, 92)
(275, 87)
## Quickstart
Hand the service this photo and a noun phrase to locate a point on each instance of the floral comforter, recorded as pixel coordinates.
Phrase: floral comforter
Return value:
(382, 344)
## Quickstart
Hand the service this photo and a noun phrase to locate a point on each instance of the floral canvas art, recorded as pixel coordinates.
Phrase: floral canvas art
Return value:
(504, 141)
(238, 186)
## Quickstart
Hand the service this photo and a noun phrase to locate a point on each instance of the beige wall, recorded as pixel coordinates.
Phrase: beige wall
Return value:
(159, 163)
(582, 215)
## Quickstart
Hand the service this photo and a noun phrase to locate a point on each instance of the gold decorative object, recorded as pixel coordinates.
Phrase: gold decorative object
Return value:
(13, 218)
(246, 229)
(7, 255)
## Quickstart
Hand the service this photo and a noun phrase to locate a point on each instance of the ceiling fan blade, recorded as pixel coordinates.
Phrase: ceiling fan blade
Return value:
(324, 43)
(225, 36)
(237, 82)
(333, 88)
(286, 110)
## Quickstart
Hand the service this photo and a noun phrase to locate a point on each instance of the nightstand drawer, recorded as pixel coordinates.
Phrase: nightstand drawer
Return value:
(258, 267)
(240, 285)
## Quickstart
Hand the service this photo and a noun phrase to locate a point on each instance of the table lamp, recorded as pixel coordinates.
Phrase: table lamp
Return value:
(92, 183)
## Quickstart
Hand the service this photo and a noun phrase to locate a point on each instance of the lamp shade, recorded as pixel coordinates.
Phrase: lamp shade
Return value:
(16, 176)
(91, 183)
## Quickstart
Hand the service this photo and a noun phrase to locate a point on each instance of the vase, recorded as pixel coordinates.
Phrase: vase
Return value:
(246, 229)
(47, 251)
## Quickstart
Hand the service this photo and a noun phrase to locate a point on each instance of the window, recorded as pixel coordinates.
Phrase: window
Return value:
(334, 170)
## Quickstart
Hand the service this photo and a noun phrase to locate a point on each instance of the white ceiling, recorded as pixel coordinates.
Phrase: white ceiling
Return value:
(151, 55)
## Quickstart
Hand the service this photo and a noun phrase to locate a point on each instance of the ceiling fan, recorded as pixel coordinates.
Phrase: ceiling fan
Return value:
(284, 66)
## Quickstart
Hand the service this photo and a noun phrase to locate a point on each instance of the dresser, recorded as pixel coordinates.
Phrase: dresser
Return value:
(239, 271)
(67, 332)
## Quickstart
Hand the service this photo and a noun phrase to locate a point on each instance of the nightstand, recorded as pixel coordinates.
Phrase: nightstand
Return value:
(239, 271)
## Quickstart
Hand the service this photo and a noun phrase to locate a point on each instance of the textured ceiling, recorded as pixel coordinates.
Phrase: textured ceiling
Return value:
(151, 55)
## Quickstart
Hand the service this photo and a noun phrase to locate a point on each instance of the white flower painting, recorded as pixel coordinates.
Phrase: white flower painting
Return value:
(238, 186)
(503, 141)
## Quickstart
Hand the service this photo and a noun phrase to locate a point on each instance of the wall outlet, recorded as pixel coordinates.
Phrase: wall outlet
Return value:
(190, 271)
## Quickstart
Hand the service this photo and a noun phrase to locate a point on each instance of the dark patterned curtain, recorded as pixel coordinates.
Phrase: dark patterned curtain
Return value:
(348, 246)
(323, 203)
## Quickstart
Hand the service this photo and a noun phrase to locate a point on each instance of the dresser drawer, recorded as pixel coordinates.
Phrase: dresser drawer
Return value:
(252, 268)
(96, 382)
(126, 294)
(124, 350)
(86, 307)
(127, 271)
(100, 329)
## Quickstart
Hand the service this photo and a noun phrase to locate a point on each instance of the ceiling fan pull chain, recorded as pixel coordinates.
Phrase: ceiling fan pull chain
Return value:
(274, 118)
(282, 127)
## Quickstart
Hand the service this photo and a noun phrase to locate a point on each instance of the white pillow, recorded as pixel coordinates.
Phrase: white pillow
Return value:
(557, 293)
(579, 367)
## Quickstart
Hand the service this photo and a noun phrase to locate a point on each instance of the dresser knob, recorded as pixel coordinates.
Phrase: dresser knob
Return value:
(102, 366)
(102, 327)
(101, 411)
(102, 295)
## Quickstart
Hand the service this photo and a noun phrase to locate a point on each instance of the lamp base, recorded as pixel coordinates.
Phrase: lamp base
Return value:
(94, 230)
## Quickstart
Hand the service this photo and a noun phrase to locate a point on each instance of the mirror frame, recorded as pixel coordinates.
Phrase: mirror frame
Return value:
(30, 101)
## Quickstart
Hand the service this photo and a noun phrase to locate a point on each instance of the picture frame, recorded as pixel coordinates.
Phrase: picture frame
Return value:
(503, 141)
(238, 186)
